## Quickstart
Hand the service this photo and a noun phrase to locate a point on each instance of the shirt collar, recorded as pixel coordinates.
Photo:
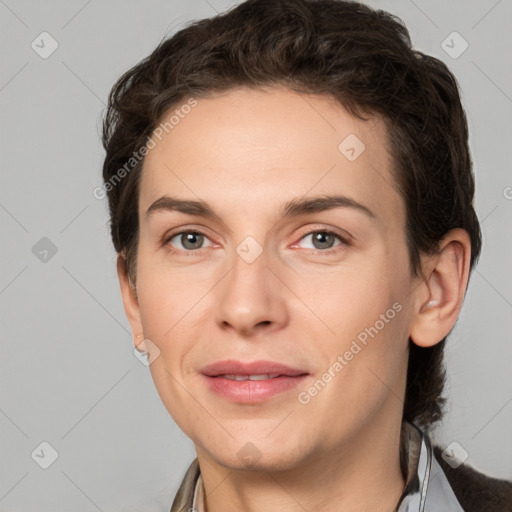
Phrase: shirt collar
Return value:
(427, 489)
(426, 486)
(198, 503)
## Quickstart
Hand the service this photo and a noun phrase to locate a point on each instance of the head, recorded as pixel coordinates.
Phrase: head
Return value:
(252, 112)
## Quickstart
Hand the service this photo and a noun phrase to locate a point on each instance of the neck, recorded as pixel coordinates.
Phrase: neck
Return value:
(363, 474)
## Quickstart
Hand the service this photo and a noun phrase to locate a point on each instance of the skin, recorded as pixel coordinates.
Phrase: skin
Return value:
(246, 152)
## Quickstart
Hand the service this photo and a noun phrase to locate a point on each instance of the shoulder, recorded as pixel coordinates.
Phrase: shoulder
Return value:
(476, 491)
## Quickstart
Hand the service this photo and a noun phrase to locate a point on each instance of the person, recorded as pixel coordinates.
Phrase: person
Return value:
(291, 200)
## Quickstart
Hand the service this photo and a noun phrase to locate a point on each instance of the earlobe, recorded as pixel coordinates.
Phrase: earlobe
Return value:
(139, 342)
(440, 298)
(130, 301)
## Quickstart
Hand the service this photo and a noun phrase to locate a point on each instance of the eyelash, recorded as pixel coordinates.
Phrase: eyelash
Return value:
(330, 250)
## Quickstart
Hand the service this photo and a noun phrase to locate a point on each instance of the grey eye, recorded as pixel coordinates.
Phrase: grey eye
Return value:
(322, 239)
(188, 240)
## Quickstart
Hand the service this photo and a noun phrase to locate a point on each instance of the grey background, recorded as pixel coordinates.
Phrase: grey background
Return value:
(67, 369)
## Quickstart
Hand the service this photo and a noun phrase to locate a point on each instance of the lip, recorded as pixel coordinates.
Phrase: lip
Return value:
(251, 391)
(233, 367)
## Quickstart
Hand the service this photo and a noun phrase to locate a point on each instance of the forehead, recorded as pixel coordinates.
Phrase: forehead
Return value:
(246, 150)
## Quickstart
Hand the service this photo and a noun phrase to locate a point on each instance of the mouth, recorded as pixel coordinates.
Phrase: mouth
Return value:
(263, 376)
(253, 382)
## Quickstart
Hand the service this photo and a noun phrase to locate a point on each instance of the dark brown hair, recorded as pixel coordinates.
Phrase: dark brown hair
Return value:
(361, 57)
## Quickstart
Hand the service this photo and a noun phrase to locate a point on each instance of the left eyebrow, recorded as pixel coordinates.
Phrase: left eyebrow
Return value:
(297, 207)
(293, 208)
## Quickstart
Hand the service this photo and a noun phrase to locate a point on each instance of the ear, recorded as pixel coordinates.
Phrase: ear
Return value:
(439, 298)
(130, 302)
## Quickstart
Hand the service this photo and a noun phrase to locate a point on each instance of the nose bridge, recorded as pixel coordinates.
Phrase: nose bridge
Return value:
(250, 296)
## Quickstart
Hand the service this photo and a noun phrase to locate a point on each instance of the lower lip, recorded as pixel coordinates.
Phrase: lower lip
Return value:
(252, 391)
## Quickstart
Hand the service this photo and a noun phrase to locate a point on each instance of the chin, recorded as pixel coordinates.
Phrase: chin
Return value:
(268, 462)
(259, 454)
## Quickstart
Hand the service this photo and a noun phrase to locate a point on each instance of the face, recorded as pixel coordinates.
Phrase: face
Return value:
(292, 253)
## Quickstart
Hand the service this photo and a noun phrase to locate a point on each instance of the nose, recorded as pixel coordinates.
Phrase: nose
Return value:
(251, 299)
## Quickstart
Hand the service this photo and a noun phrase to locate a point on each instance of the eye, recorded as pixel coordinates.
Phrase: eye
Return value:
(324, 239)
(188, 240)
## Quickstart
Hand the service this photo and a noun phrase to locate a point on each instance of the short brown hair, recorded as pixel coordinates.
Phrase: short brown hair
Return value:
(361, 57)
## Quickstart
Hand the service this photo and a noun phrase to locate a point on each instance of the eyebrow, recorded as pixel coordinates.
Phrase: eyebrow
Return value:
(293, 208)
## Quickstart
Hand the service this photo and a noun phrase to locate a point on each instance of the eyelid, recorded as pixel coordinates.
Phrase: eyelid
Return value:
(343, 235)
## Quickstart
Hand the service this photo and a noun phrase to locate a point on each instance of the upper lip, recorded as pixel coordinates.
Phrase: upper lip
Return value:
(232, 367)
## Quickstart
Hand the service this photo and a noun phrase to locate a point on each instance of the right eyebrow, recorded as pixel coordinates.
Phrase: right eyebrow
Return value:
(188, 206)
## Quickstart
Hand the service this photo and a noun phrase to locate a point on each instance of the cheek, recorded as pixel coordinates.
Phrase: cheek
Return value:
(348, 298)
(166, 294)
(364, 363)
(169, 304)
(360, 318)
